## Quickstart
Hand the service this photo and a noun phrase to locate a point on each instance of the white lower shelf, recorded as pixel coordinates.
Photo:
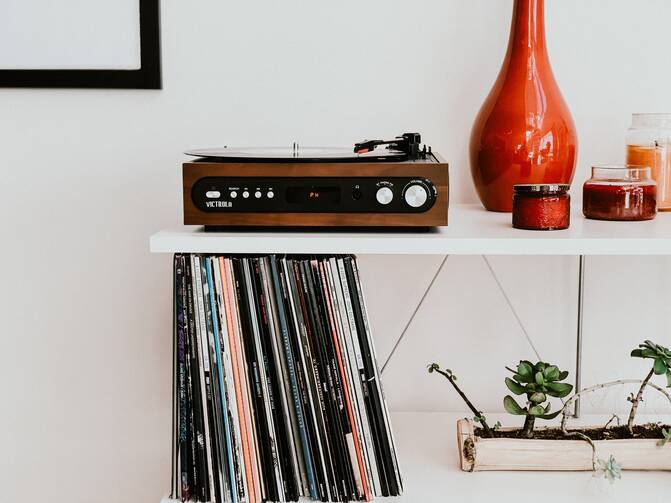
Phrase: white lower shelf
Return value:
(429, 460)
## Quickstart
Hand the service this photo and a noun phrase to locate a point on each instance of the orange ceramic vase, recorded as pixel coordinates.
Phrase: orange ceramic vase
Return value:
(524, 132)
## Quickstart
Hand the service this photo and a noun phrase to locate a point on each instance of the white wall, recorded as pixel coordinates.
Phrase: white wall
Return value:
(87, 175)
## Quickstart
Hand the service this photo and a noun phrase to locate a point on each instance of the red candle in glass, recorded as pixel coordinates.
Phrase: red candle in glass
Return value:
(541, 207)
(620, 193)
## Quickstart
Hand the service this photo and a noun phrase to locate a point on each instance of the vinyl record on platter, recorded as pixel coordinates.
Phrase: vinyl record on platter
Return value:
(297, 154)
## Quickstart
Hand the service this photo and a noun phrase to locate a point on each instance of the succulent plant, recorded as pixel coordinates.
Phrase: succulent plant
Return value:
(661, 357)
(667, 437)
(538, 382)
(611, 469)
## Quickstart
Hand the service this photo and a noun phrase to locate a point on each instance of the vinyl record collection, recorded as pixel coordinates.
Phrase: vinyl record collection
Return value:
(277, 390)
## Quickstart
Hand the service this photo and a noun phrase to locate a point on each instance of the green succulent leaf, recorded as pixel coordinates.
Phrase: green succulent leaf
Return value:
(523, 379)
(660, 366)
(516, 388)
(637, 353)
(537, 410)
(551, 373)
(539, 378)
(512, 407)
(668, 378)
(653, 351)
(550, 416)
(525, 369)
(537, 397)
(558, 389)
(563, 375)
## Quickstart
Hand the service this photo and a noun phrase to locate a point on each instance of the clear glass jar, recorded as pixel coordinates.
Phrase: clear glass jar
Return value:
(649, 144)
(620, 193)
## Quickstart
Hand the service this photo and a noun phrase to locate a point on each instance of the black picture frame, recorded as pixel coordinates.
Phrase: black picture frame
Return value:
(148, 76)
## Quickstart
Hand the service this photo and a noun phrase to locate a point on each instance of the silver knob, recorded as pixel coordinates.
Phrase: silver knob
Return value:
(416, 195)
(384, 195)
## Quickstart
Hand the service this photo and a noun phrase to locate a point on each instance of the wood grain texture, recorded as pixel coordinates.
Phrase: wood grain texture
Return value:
(435, 217)
(511, 454)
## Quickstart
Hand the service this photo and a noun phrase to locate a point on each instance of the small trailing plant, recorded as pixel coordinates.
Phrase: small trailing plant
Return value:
(667, 437)
(661, 365)
(478, 415)
(538, 382)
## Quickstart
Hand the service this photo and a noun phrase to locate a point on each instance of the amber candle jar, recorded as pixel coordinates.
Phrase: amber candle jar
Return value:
(541, 207)
(649, 145)
(620, 193)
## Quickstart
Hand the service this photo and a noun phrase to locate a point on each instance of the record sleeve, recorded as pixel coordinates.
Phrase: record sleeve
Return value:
(353, 439)
(378, 379)
(260, 418)
(229, 400)
(287, 373)
(275, 386)
(204, 364)
(175, 476)
(201, 486)
(273, 468)
(240, 381)
(387, 473)
(371, 434)
(316, 374)
(342, 427)
(218, 432)
(307, 383)
(183, 428)
(319, 346)
(359, 408)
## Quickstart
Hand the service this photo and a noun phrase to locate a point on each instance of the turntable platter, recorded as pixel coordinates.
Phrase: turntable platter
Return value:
(298, 154)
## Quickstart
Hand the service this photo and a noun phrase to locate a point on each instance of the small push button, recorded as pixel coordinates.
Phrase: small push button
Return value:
(213, 194)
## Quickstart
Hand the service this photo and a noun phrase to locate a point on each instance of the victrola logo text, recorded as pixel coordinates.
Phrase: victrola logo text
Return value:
(219, 204)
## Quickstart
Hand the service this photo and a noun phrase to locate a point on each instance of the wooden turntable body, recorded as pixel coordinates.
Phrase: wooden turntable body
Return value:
(432, 168)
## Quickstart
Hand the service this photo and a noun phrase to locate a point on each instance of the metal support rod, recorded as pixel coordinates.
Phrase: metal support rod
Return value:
(414, 313)
(512, 308)
(578, 349)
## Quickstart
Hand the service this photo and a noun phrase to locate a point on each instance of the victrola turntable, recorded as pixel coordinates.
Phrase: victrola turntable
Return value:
(400, 185)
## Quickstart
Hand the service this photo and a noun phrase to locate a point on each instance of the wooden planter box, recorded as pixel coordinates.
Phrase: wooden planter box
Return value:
(488, 454)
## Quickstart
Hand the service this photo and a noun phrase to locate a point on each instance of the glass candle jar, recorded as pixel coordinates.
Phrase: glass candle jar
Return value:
(649, 144)
(541, 207)
(620, 193)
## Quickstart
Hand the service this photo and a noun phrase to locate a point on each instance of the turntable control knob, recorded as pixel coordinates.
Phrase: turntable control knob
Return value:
(384, 195)
(245, 194)
(416, 195)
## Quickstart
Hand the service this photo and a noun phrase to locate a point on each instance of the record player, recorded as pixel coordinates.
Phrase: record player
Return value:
(378, 183)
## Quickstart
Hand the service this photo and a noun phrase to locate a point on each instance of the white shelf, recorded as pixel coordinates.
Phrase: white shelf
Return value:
(472, 231)
(429, 461)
